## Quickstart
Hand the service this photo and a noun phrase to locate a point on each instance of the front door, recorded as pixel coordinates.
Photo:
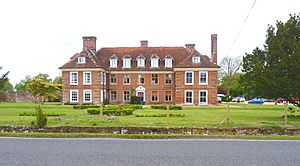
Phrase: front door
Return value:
(141, 97)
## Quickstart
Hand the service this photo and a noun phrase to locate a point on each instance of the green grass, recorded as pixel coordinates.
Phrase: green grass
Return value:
(243, 115)
(143, 136)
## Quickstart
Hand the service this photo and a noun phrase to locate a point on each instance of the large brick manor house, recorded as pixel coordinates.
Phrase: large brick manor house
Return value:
(156, 75)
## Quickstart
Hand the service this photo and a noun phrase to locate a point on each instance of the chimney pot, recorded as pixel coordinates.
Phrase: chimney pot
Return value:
(214, 53)
(190, 47)
(144, 43)
(89, 42)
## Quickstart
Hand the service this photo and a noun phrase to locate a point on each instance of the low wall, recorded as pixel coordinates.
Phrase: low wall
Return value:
(155, 130)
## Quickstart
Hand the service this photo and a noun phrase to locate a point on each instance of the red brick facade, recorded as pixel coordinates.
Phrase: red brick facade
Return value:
(184, 87)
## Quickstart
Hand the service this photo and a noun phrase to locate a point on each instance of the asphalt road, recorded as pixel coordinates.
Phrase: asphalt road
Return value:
(105, 151)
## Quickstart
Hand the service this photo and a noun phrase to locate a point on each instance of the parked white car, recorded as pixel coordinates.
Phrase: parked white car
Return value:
(236, 99)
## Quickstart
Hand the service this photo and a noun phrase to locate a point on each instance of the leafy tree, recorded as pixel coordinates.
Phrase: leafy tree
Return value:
(44, 90)
(41, 119)
(274, 70)
(237, 89)
(3, 80)
(57, 80)
(44, 77)
(22, 85)
(230, 66)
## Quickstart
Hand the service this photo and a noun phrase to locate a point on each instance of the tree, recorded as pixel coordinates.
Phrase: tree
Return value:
(237, 89)
(229, 67)
(22, 85)
(44, 90)
(274, 70)
(3, 80)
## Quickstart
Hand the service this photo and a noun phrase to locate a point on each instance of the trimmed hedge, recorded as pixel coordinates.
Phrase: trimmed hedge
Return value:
(34, 114)
(116, 110)
(161, 115)
(80, 107)
(164, 107)
(109, 112)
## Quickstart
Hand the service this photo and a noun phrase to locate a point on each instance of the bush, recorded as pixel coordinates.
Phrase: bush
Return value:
(41, 119)
(161, 115)
(80, 107)
(164, 107)
(116, 110)
(34, 114)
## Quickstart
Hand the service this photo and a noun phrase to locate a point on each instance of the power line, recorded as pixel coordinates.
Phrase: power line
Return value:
(240, 30)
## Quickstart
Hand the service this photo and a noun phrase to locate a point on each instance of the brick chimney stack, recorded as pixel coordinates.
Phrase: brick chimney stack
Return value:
(214, 55)
(144, 43)
(89, 42)
(190, 47)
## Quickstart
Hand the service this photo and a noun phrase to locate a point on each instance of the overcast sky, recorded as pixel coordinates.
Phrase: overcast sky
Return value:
(40, 36)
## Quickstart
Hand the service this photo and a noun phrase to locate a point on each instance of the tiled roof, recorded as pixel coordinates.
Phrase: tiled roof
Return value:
(100, 59)
(91, 61)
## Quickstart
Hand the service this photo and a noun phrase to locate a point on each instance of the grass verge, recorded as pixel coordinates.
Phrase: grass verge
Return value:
(143, 136)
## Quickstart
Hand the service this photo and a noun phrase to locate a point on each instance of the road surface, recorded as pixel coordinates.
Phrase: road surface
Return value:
(106, 151)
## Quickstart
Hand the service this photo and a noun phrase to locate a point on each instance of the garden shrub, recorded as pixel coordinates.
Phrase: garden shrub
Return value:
(80, 107)
(161, 115)
(164, 107)
(34, 114)
(116, 110)
(41, 119)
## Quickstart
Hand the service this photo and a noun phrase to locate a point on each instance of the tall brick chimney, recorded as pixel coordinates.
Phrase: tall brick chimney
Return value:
(89, 42)
(214, 54)
(144, 43)
(190, 47)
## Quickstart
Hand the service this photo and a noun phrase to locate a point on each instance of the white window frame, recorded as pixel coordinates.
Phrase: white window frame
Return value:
(113, 63)
(84, 76)
(196, 59)
(168, 62)
(102, 78)
(126, 62)
(111, 76)
(154, 62)
(200, 78)
(206, 97)
(81, 60)
(71, 81)
(124, 79)
(141, 62)
(185, 78)
(139, 78)
(75, 101)
(124, 96)
(111, 96)
(185, 97)
(91, 98)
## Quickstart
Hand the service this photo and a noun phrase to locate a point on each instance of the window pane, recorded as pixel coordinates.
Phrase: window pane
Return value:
(168, 96)
(203, 77)
(141, 79)
(168, 79)
(126, 79)
(188, 97)
(113, 79)
(154, 95)
(113, 95)
(154, 79)
(126, 96)
(189, 78)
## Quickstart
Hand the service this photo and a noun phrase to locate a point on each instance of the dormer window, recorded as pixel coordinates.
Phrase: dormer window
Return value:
(113, 61)
(168, 62)
(140, 61)
(126, 61)
(154, 61)
(81, 59)
(196, 59)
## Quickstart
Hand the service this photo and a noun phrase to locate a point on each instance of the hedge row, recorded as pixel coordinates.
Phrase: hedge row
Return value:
(160, 115)
(116, 110)
(120, 112)
(133, 106)
(34, 114)
(164, 107)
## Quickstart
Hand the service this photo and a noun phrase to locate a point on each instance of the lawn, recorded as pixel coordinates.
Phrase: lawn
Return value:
(242, 115)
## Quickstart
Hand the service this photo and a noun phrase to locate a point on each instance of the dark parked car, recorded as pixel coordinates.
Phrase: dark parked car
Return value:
(256, 101)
